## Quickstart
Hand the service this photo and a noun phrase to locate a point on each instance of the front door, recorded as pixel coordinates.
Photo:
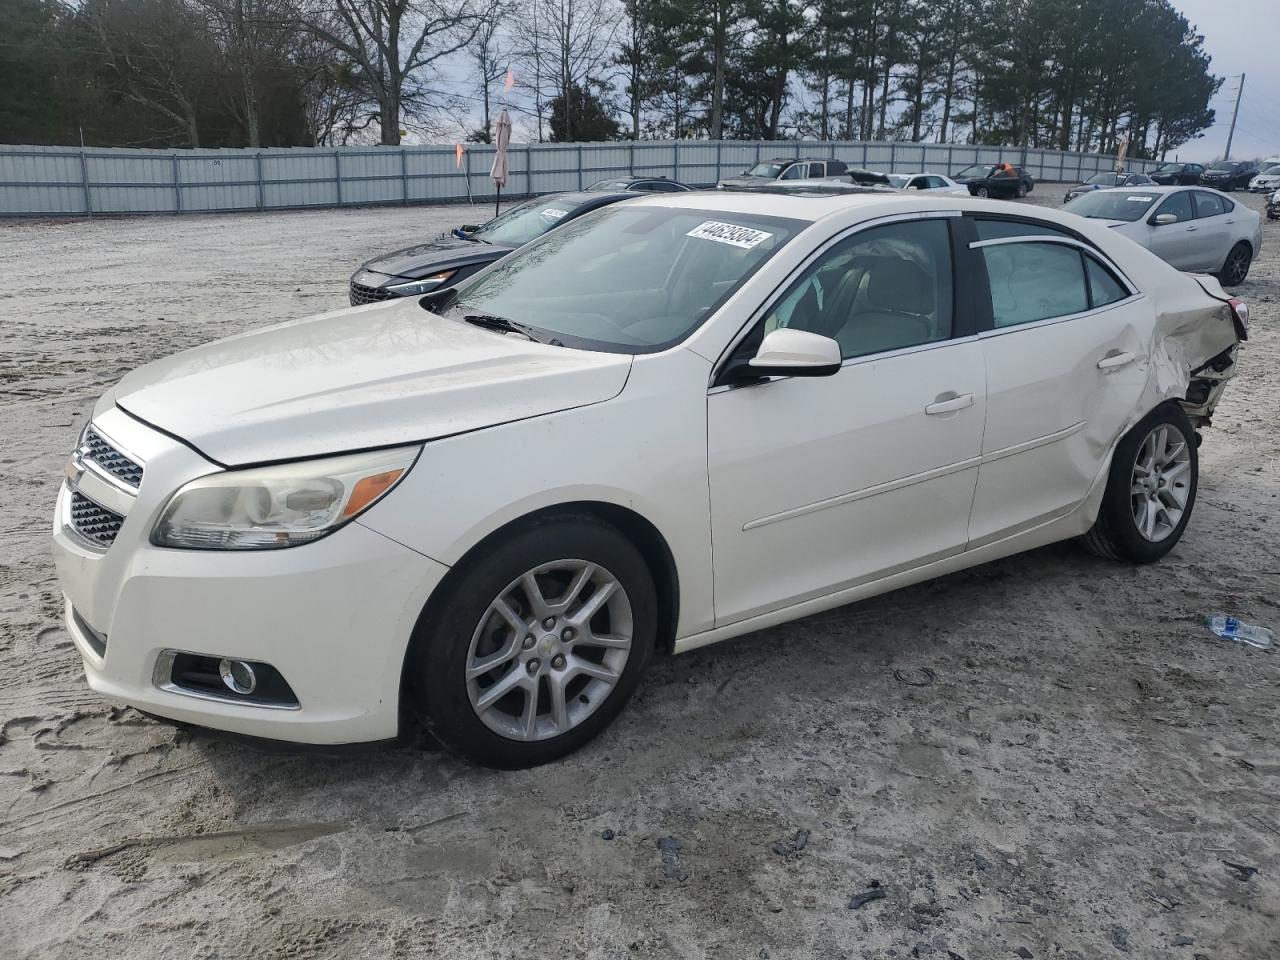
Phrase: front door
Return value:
(1177, 244)
(818, 484)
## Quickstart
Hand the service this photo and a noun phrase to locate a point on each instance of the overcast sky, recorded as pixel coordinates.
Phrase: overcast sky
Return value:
(1242, 36)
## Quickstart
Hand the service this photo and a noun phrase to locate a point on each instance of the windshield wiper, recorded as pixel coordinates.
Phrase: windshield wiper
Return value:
(504, 325)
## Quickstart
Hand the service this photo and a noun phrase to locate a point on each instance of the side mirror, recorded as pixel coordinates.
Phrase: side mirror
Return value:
(794, 353)
(1164, 219)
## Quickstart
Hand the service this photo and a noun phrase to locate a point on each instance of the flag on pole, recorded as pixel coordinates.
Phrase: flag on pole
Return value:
(457, 158)
(509, 82)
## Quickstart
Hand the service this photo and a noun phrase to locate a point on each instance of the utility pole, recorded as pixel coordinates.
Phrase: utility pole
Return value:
(1234, 113)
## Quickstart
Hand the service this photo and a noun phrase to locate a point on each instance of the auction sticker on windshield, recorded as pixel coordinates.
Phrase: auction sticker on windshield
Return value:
(1140, 199)
(729, 233)
(552, 213)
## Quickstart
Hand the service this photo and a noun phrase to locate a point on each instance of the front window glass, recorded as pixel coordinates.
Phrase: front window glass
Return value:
(882, 289)
(768, 170)
(1112, 205)
(1179, 204)
(626, 279)
(899, 180)
(522, 223)
(797, 171)
(1034, 281)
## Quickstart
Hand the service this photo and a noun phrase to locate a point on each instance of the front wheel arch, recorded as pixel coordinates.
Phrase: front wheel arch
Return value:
(633, 526)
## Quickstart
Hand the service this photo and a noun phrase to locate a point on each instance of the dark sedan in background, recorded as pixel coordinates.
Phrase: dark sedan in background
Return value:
(997, 180)
(1177, 174)
(1229, 175)
(1101, 181)
(448, 259)
(638, 185)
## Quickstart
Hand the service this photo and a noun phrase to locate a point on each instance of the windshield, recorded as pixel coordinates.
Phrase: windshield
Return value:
(522, 223)
(1169, 167)
(899, 180)
(977, 170)
(1104, 179)
(1271, 170)
(609, 186)
(1222, 165)
(626, 279)
(770, 170)
(1112, 205)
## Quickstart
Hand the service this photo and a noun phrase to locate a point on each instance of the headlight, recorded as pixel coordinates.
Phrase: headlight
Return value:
(266, 508)
(412, 288)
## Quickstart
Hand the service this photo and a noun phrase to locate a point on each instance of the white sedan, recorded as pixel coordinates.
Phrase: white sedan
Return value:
(673, 421)
(1192, 228)
(928, 183)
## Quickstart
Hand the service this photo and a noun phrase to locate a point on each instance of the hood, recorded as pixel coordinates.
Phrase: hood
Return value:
(371, 376)
(430, 257)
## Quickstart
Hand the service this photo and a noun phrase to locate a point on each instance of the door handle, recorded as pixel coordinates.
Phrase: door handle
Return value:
(1115, 360)
(1191, 229)
(950, 405)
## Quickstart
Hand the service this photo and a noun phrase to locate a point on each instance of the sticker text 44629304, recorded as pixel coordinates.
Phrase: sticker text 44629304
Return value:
(732, 234)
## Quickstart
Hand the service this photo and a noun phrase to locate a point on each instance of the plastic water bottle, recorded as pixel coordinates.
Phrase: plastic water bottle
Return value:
(1233, 629)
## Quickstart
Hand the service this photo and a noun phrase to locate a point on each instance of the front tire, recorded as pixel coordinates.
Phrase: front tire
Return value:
(538, 643)
(982, 192)
(1151, 489)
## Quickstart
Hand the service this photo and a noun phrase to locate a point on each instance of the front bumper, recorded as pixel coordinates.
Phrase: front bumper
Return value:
(333, 616)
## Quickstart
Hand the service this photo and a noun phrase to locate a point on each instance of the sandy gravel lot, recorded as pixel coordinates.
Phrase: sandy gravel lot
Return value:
(1076, 782)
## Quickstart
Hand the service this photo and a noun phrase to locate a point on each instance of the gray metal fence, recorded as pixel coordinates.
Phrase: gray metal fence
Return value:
(69, 181)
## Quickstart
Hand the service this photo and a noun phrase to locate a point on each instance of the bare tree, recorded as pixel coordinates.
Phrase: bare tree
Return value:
(490, 59)
(566, 45)
(394, 44)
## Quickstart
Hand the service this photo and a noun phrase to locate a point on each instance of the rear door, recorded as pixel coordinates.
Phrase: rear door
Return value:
(1214, 219)
(1065, 350)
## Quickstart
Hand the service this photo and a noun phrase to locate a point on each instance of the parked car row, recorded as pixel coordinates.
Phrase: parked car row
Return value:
(481, 511)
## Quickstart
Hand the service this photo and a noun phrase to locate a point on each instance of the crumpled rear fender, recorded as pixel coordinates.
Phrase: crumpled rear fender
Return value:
(1196, 339)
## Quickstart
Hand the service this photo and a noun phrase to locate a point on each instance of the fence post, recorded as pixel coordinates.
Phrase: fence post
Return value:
(337, 175)
(719, 161)
(404, 177)
(631, 159)
(579, 166)
(177, 186)
(893, 156)
(864, 155)
(262, 198)
(528, 171)
(677, 161)
(757, 151)
(84, 180)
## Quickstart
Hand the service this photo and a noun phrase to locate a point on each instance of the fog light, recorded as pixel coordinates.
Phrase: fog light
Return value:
(238, 676)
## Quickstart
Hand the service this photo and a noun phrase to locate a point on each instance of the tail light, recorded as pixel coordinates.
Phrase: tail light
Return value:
(1240, 313)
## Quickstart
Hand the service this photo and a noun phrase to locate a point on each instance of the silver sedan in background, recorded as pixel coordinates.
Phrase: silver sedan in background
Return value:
(1191, 228)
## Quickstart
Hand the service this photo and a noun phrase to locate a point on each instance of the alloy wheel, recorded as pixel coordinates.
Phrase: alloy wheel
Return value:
(549, 650)
(1160, 483)
(1237, 266)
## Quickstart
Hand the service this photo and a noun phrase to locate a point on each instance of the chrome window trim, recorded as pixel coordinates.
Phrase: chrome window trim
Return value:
(1048, 321)
(784, 287)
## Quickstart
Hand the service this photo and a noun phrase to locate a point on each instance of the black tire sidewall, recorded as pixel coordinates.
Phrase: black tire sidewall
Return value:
(1248, 263)
(435, 678)
(1116, 501)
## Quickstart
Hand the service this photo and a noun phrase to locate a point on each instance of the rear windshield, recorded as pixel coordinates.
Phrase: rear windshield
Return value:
(1112, 205)
(627, 279)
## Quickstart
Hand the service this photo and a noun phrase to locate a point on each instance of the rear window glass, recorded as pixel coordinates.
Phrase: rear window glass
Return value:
(1034, 281)
(1209, 204)
(1103, 287)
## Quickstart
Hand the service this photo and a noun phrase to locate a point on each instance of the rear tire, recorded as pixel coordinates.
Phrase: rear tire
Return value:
(982, 192)
(1021, 191)
(1236, 267)
(568, 668)
(1151, 489)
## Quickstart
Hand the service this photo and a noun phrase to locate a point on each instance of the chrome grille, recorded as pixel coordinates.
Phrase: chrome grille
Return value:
(360, 294)
(96, 524)
(99, 451)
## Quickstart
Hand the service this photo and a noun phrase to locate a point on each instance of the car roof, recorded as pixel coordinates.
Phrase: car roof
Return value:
(800, 159)
(582, 197)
